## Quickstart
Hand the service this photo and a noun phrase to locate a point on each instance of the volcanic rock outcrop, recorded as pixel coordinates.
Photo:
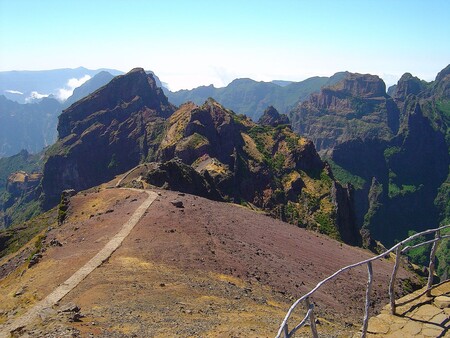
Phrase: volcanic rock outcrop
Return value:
(271, 117)
(394, 150)
(106, 133)
(258, 165)
(356, 107)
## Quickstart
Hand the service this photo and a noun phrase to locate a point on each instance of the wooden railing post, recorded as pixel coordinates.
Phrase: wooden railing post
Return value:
(432, 264)
(286, 331)
(368, 292)
(392, 281)
(283, 329)
(312, 318)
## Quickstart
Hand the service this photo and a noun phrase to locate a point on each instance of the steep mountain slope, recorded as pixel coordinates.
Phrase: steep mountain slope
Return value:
(21, 161)
(357, 107)
(207, 269)
(220, 155)
(105, 133)
(393, 149)
(263, 166)
(27, 126)
(249, 97)
(13, 188)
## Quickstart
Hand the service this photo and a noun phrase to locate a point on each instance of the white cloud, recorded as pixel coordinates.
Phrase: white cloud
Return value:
(74, 83)
(64, 93)
(13, 92)
(35, 96)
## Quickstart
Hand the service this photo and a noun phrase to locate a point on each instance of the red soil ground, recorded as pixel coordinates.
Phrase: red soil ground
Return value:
(207, 269)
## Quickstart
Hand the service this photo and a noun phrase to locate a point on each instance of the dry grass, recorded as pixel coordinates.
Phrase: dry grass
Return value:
(177, 123)
(251, 149)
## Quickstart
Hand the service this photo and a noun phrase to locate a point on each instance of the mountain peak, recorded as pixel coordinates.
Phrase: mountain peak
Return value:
(137, 70)
(442, 83)
(135, 88)
(408, 84)
(271, 117)
(443, 73)
(114, 127)
(364, 85)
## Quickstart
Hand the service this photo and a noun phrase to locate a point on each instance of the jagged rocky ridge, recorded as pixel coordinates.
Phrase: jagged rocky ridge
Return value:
(226, 156)
(257, 165)
(105, 133)
(393, 149)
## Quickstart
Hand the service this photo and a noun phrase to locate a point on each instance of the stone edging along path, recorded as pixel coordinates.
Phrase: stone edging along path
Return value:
(83, 272)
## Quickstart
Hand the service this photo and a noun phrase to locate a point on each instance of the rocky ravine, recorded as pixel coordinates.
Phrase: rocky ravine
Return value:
(394, 150)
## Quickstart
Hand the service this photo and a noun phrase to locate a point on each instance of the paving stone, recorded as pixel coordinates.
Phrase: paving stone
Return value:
(439, 318)
(411, 328)
(377, 325)
(394, 334)
(434, 332)
(397, 326)
(423, 317)
(426, 312)
(442, 302)
(399, 320)
(441, 289)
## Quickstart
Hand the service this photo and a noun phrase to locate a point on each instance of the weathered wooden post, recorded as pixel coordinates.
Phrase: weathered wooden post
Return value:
(398, 253)
(286, 331)
(368, 292)
(431, 267)
(312, 318)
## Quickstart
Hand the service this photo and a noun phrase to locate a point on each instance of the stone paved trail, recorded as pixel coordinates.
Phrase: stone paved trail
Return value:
(83, 272)
(417, 316)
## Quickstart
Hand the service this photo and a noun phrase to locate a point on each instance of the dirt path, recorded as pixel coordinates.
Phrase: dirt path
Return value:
(83, 272)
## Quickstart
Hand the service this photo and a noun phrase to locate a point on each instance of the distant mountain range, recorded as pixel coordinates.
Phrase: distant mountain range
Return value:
(29, 86)
(251, 98)
(27, 126)
(32, 126)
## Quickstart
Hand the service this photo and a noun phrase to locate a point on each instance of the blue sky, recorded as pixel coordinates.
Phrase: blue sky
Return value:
(192, 43)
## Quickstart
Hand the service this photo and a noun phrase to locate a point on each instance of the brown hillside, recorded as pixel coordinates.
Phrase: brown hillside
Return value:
(208, 269)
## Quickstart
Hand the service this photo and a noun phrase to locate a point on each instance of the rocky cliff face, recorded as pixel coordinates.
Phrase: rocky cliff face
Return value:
(394, 150)
(106, 133)
(407, 85)
(357, 107)
(258, 165)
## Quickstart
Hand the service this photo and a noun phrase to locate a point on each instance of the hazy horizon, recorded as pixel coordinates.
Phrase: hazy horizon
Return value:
(193, 43)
